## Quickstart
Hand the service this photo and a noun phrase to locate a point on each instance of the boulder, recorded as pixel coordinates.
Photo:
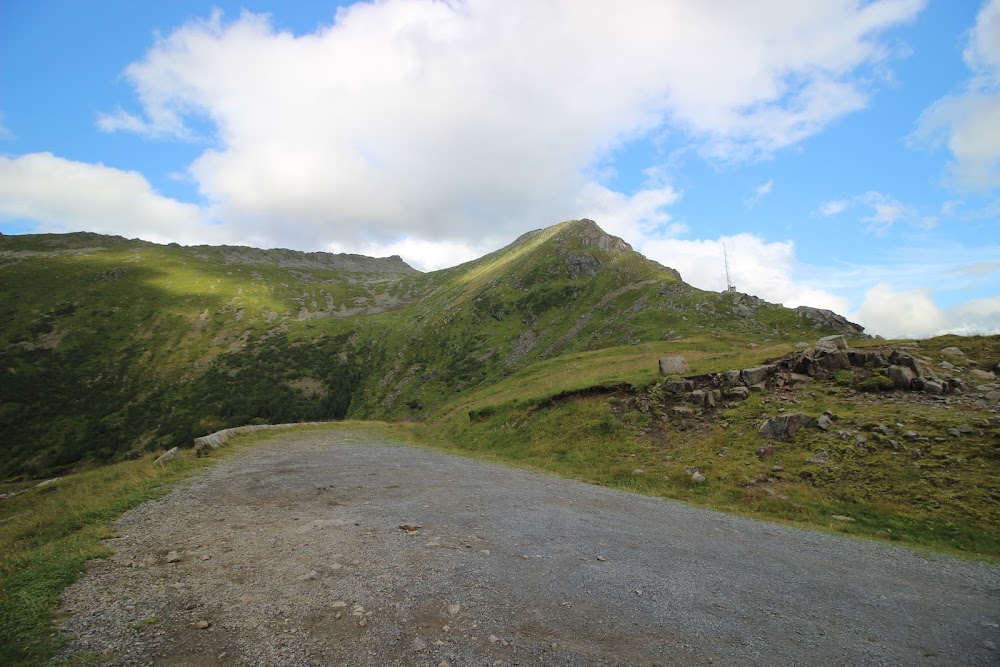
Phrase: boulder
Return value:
(902, 377)
(952, 352)
(705, 399)
(758, 374)
(739, 393)
(837, 342)
(783, 427)
(834, 361)
(983, 375)
(171, 454)
(933, 387)
(673, 366)
(678, 386)
(731, 377)
(898, 358)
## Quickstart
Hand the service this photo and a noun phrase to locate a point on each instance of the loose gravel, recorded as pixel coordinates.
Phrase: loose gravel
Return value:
(338, 547)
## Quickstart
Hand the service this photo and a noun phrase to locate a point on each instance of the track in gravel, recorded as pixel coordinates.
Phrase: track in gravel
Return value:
(294, 555)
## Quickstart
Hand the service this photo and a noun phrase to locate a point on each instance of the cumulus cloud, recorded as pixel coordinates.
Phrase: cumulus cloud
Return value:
(63, 196)
(968, 124)
(914, 314)
(765, 269)
(472, 122)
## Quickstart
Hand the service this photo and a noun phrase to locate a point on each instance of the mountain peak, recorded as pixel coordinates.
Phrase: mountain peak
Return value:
(591, 235)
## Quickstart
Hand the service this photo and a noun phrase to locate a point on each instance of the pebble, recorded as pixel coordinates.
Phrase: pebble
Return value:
(454, 609)
(173, 557)
(418, 644)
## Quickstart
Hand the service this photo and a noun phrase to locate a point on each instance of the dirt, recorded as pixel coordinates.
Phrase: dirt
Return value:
(293, 554)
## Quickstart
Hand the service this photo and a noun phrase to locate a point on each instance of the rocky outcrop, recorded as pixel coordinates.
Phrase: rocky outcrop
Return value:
(822, 318)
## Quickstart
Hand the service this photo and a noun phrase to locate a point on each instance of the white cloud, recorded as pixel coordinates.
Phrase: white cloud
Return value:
(968, 124)
(886, 210)
(65, 196)
(759, 193)
(833, 207)
(458, 121)
(767, 270)
(913, 313)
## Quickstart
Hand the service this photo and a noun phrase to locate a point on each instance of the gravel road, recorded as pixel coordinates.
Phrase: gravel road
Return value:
(293, 554)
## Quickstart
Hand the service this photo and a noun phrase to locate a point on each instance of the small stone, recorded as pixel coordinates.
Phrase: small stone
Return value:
(987, 644)
(418, 644)
(841, 517)
(203, 625)
(493, 639)
(173, 557)
(697, 477)
(338, 604)
(954, 432)
(206, 557)
(454, 609)
(409, 527)
(309, 576)
(824, 423)
(363, 622)
(601, 558)
(336, 566)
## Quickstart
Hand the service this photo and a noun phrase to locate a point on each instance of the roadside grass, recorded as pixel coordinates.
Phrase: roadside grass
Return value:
(48, 534)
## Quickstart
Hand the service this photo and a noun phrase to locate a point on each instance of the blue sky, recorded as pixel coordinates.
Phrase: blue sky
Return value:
(847, 153)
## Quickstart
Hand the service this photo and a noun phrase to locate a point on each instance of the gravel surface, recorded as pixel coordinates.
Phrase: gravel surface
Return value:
(340, 548)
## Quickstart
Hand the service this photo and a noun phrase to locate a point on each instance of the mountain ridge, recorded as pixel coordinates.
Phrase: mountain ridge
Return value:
(112, 347)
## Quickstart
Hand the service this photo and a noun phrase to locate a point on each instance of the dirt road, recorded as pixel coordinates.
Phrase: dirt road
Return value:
(292, 554)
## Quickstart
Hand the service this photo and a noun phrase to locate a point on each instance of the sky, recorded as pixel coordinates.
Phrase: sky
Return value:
(846, 153)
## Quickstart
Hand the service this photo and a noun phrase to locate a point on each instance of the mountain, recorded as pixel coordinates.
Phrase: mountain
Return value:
(112, 347)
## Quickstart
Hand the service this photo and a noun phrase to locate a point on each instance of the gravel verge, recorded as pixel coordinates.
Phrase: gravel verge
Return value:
(338, 547)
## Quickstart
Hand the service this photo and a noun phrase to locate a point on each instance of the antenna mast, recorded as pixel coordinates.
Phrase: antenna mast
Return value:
(729, 283)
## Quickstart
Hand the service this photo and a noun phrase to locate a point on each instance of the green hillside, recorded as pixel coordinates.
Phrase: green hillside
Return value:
(110, 348)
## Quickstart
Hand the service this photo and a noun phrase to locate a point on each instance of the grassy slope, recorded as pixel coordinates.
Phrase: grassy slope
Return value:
(573, 417)
(112, 348)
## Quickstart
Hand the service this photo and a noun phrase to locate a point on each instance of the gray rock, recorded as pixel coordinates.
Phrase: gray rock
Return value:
(818, 458)
(673, 366)
(784, 426)
(739, 393)
(952, 352)
(947, 365)
(824, 423)
(418, 644)
(732, 377)
(173, 557)
(898, 358)
(902, 377)
(171, 454)
(954, 432)
(933, 387)
(837, 360)
(758, 374)
(678, 386)
(838, 342)
(983, 375)
(697, 477)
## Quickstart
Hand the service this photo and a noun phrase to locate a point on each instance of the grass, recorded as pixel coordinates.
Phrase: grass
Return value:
(939, 494)
(48, 534)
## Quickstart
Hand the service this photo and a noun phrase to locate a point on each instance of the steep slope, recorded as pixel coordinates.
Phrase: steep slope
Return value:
(111, 347)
